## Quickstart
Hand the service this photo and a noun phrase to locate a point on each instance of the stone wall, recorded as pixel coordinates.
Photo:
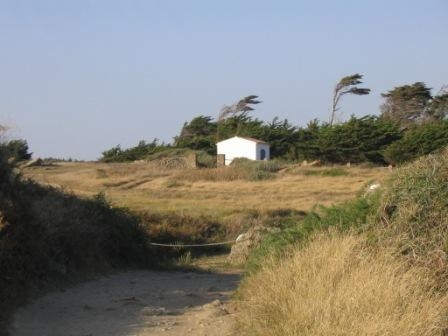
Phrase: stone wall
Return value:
(191, 161)
(220, 160)
(177, 162)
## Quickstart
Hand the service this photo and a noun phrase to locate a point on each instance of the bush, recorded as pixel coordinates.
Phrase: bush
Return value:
(381, 269)
(419, 140)
(206, 160)
(357, 140)
(18, 150)
(139, 152)
(46, 234)
(198, 134)
(350, 215)
(173, 227)
(414, 211)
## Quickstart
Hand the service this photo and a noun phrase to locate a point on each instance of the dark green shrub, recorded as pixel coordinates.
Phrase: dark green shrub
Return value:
(350, 215)
(357, 140)
(206, 160)
(417, 141)
(198, 134)
(18, 150)
(139, 152)
(46, 234)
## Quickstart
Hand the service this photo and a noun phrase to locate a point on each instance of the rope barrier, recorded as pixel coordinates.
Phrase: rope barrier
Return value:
(193, 245)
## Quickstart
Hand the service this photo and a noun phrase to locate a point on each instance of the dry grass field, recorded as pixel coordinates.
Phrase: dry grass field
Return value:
(372, 266)
(144, 187)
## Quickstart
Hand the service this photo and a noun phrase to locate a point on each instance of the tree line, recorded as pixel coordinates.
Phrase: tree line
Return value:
(412, 122)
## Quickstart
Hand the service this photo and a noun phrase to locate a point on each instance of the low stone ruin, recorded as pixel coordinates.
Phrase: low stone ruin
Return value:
(247, 241)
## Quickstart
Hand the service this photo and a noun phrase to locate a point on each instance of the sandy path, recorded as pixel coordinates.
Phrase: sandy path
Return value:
(134, 303)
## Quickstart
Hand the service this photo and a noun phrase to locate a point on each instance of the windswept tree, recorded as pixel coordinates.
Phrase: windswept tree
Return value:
(241, 106)
(237, 110)
(344, 86)
(438, 107)
(198, 134)
(407, 104)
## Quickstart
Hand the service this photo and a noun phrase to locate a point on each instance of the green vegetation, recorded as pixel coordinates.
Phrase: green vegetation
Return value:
(174, 227)
(336, 285)
(357, 140)
(46, 234)
(413, 212)
(411, 104)
(412, 123)
(17, 150)
(418, 141)
(352, 214)
(198, 134)
(375, 265)
(142, 150)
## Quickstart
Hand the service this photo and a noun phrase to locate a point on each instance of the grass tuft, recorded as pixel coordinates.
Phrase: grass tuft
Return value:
(240, 169)
(325, 172)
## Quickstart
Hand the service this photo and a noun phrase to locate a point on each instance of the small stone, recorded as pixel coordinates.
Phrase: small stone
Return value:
(153, 311)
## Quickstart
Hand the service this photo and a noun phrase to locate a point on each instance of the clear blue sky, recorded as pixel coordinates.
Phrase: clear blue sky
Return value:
(78, 76)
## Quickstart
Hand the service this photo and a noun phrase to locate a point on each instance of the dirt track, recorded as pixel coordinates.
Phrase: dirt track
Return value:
(134, 303)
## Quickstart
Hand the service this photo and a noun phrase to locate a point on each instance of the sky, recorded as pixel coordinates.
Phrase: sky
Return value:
(78, 77)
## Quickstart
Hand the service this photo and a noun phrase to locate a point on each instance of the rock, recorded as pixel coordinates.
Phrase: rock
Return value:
(315, 163)
(246, 242)
(371, 188)
(374, 186)
(154, 311)
(216, 303)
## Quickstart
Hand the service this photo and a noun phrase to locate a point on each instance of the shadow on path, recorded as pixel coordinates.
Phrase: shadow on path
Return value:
(129, 303)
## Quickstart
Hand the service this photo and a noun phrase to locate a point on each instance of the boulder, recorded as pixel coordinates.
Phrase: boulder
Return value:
(315, 163)
(246, 242)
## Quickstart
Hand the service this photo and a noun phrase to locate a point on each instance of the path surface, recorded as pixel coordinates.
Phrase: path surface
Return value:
(134, 303)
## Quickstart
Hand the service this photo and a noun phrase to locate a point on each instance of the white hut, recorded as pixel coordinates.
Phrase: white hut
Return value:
(241, 147)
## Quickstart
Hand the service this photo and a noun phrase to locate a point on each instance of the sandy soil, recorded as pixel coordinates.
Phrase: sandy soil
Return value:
(134, 303)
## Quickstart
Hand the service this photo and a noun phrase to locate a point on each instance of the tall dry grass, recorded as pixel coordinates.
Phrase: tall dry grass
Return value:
(414, 212)
(240, 169)
(335, 286)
